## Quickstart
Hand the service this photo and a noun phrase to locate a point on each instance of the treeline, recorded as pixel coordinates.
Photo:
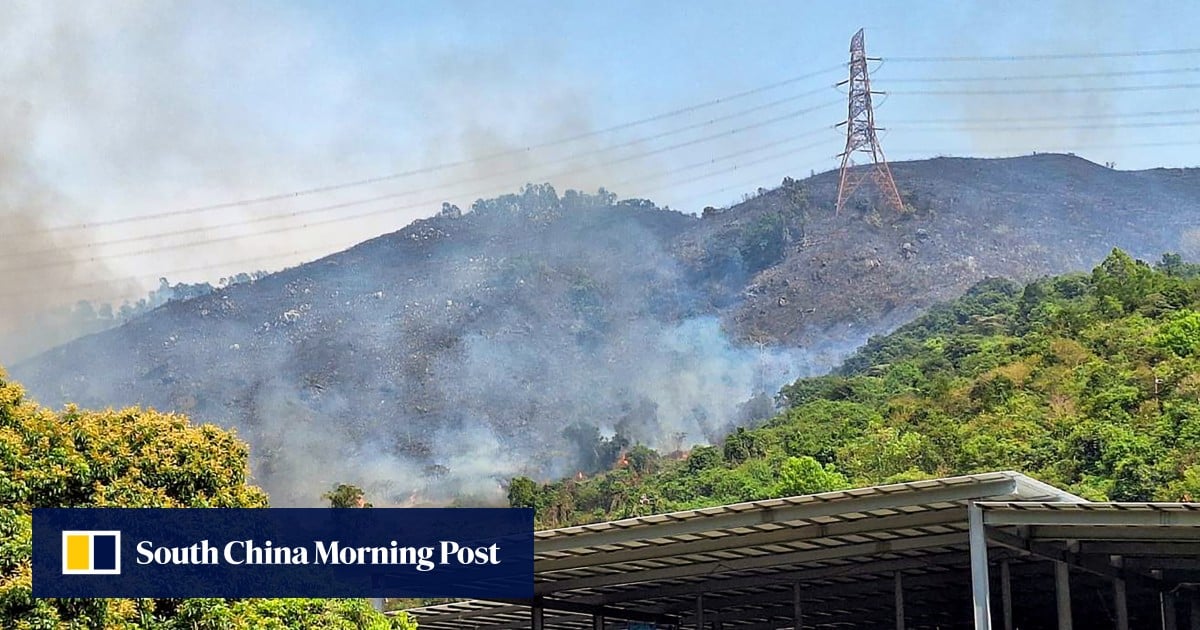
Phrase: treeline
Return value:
(132, 458)
(165, 292)
(61, 324)
(1087, 381)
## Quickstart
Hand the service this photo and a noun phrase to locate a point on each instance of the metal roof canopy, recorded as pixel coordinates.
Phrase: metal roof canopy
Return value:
(848, 559)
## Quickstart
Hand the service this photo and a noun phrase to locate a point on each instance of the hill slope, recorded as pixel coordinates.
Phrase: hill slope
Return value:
(447, 356)
(1089, 382)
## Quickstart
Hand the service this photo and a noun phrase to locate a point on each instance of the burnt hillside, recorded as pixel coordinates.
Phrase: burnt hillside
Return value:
(441, 358)
(970, 218)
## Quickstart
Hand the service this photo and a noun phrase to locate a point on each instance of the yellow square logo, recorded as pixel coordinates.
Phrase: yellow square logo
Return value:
(91, 553)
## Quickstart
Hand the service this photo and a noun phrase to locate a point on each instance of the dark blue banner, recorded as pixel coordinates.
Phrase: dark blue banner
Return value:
(283, 552)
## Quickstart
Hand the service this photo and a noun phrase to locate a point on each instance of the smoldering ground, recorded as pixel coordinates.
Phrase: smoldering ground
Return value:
(529, 318)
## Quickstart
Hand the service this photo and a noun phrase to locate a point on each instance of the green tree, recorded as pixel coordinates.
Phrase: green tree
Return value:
(1181, 334)
(703, 458)
(346, 496)
(132, 458)
(643, 459)
(1124, 280)
(742, 445)
(522, 492)
(805, 475)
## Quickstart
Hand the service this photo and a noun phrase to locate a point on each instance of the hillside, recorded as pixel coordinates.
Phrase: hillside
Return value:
(515, 338)
(1088, 381)
(969, 219)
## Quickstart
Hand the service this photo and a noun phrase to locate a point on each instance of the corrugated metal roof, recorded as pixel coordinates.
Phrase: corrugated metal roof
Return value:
(747, 556)
(750, 551)
(1030, 489)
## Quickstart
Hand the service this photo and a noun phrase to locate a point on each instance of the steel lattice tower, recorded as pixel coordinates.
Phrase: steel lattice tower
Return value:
(860, 134)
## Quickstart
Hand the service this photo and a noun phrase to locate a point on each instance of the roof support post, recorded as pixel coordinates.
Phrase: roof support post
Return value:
(1120, 597)
(597, 621)
(1169, 619)
(980, 588)
(898, 582)
(797, 611)
(1166, 604)
(1121, 603)
(537, 614)
(1194, 615)
(700, 611)
(1062, 593)
(1006, 594)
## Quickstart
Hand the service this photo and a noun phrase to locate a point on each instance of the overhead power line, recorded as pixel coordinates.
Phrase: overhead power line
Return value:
(728, 156)
(666, 115)
(359, 215)
(325, 250)
(661, 186)
(741, 166)
(1044, 77)
(1047, 56)
(1058, 148)
(523, 171)
(569, 173)
(447, 165)
(1054, 90)
(630, 124)
(447, 185)
(743, 184)
(664, 186)
(920, 121)
(731, 169)
(1182, 123)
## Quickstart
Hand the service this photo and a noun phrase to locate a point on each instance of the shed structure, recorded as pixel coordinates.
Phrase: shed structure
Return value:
(986, 551)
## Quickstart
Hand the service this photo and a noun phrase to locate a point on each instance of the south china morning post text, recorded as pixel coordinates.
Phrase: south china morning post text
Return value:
(283, 552)
(241, 552)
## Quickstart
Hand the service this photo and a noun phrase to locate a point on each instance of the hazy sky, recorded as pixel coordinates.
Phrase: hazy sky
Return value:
(118, 110)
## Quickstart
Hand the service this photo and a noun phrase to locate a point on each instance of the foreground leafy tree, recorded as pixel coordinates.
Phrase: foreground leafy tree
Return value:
(1087, 381)
(131, 458)
(346, 496)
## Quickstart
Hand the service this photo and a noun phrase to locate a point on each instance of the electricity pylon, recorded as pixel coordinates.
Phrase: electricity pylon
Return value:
(860, 134)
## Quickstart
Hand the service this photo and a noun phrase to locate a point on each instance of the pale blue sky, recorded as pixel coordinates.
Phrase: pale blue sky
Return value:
(124, 109)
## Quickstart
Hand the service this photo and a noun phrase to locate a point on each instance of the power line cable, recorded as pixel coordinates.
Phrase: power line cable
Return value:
(667, 186)
(1048, 56)
(441, 187)
(726, 187)
(388, 210)
(1172, 112)
(743, 184)
(726, 157)
(447, 165)
(1041, 77)
(1025, 150)
(434, 168)
(426, 189)
(1055, 90)
(743, 165)
(1182, 123)
(679, 169)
